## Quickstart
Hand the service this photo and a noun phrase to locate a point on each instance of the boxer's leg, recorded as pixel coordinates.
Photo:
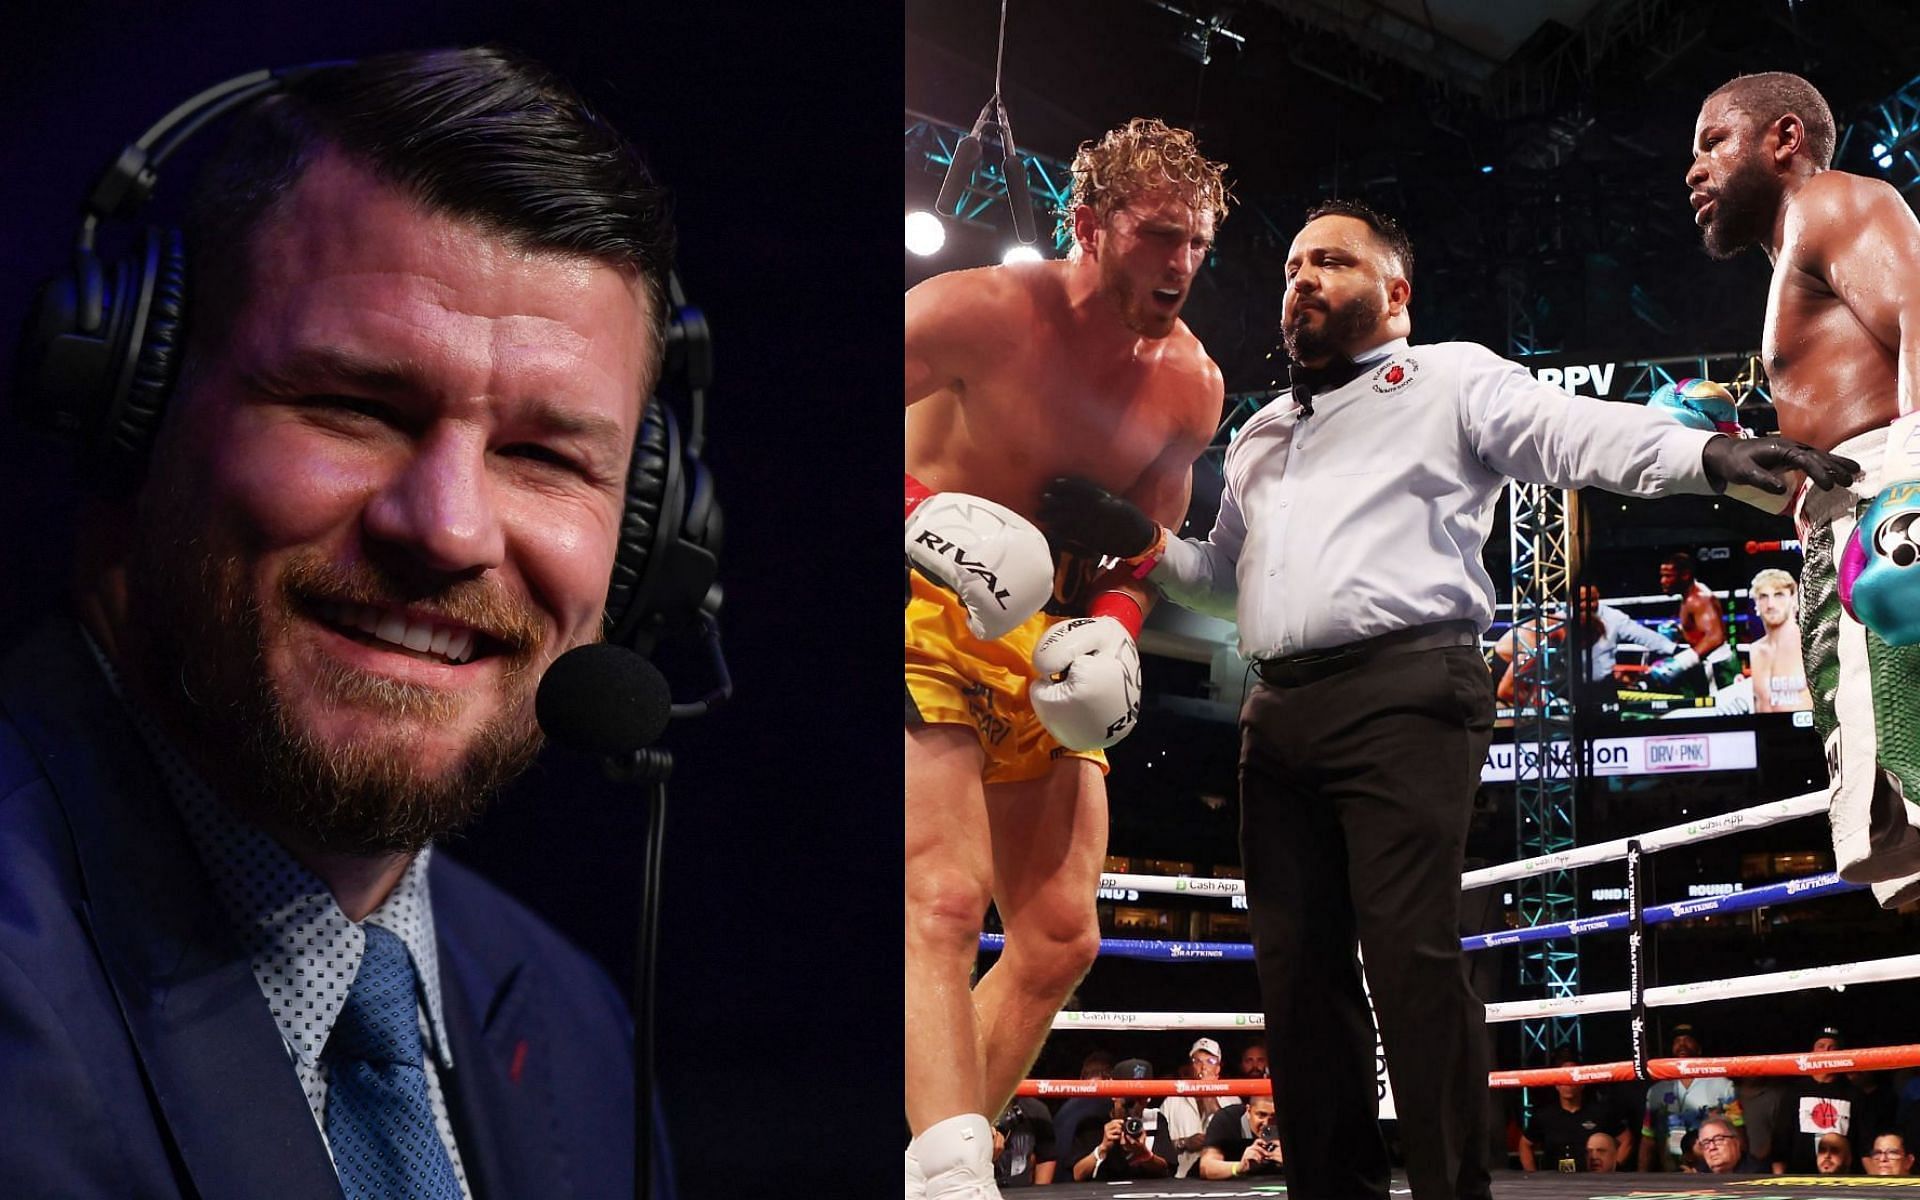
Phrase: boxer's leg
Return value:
(949, 870)
(1049, 843)
(1875, 839)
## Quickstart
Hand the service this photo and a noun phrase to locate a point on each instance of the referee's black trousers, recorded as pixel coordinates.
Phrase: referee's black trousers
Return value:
(1355, 793)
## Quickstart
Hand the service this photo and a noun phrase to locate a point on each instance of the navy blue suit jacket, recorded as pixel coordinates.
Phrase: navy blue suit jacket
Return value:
(137, 1055)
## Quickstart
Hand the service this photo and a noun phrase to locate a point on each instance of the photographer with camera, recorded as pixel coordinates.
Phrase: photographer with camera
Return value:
(1120, 1148)
(1242, 1140)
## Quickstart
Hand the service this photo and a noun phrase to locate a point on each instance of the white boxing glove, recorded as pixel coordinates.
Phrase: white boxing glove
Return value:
(1088, 691)
(993, 558)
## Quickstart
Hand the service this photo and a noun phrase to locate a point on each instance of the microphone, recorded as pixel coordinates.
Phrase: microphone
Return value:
(603, 699)
(966, 156)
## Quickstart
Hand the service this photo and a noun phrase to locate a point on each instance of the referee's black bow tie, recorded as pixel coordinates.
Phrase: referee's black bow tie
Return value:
(1309, 382)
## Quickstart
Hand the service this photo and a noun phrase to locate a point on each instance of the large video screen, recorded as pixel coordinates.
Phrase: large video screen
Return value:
(1683, 609)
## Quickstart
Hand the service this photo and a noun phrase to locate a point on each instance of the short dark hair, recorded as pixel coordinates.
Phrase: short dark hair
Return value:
(1683, 561)
(1769, 95)
(1385, 229)
(482, 133)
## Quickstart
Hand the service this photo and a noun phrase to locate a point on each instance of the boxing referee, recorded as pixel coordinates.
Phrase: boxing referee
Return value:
(1348, 549)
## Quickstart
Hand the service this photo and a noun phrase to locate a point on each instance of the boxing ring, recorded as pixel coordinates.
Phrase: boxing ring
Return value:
(1640, 996)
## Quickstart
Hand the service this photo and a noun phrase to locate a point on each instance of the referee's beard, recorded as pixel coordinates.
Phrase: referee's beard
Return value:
(1347, 326)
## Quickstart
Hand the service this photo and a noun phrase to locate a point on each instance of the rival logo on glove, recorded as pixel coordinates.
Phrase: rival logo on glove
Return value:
(972, 566)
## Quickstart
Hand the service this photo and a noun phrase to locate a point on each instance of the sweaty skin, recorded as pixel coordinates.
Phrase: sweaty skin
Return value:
(1840, 346)
(1016, 375)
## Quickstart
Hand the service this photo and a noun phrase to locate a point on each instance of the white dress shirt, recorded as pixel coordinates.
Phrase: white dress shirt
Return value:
(1617, 627)
(1370, 515)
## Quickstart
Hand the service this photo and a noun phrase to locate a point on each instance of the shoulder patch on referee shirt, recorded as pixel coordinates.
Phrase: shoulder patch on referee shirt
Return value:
(1394, 374)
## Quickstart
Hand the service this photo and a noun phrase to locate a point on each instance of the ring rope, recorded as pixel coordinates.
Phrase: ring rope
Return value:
(1879, 970)
(1706, 828)
(1792, 891)
(1875, 1058)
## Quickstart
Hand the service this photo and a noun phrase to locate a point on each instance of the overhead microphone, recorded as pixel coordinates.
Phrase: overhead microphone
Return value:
(966, 156)
(1019, 199)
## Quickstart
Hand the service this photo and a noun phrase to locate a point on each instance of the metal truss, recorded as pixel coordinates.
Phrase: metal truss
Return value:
(930, 144)
(1891, 133)
(1541, 536)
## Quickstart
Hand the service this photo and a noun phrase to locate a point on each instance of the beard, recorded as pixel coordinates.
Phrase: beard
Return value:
(1134, 312)
(201, 641)
(1743, 211)
(1341, 326)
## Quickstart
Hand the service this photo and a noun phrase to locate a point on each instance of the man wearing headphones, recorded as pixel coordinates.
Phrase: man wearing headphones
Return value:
(424, 308)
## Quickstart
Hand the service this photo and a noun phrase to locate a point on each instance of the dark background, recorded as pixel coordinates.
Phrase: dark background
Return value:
(1536, 154)
(774, 127)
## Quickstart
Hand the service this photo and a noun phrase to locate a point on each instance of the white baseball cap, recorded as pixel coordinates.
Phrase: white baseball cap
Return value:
(1208, 1044)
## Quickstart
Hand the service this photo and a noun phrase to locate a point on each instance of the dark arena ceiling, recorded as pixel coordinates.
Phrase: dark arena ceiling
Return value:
(1534, 150)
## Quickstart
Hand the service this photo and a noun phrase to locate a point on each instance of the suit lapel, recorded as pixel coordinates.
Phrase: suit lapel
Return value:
(216, 1067)
(500, 1088)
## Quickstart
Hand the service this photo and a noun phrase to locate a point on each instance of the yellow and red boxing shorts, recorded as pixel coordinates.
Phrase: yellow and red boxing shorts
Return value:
(954, 678)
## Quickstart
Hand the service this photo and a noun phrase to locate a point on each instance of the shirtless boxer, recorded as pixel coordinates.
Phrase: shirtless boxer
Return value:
(1702, 628)
(1844, 377)
(1016, 375)
(1779, 668)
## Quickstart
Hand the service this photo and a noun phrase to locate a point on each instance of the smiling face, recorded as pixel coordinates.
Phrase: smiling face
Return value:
(1733, 189)
(383, 503)
(1148, 251)
(1342, 285)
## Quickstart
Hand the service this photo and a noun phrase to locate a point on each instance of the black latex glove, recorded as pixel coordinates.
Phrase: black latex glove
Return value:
(1089, 518)
(1754, 461)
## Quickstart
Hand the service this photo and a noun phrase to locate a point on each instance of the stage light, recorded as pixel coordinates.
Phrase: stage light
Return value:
(1020, 254)
(1486, 168)
(925, 233)
(1879, 149)
(1885, 161)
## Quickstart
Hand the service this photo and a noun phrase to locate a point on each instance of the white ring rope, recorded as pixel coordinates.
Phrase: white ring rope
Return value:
(1879, 970)
(1704, 829)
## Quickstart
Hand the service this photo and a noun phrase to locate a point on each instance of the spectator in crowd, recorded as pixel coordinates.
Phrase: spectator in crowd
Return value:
(1098, 1064)
(1557, 1138)
(1184, 1118)
(1890, 1156)
(1833, 1155)
(1723, 1149)
(1120, 1147)
(1875, 1106)
(1677, 1107)
(1823, 1103)
(1023, 1151)
(1765, 1106)
(1603, 1153)
(1253, 1060)
(1242, 1140)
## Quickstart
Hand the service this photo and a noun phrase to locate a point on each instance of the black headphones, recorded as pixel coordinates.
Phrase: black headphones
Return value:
(101, 356)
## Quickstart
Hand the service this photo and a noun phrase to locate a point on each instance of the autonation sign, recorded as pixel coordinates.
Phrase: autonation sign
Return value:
(1652, 754)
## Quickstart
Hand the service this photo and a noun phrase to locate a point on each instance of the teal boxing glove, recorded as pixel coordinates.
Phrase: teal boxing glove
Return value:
(1880, 567)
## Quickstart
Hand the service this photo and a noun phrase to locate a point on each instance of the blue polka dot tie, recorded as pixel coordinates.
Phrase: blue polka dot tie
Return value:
(379, 1122)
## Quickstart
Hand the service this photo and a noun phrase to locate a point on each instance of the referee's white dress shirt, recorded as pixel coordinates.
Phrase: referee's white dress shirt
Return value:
(1370, 515)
